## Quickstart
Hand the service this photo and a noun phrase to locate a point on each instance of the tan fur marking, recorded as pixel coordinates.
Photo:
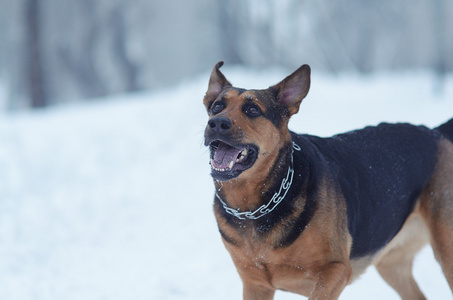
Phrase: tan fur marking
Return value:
(395, 261)
(437, 209)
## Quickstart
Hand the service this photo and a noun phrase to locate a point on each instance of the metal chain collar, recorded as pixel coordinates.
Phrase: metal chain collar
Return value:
(275, 200)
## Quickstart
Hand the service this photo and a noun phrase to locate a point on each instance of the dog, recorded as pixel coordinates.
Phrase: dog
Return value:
(307, 214)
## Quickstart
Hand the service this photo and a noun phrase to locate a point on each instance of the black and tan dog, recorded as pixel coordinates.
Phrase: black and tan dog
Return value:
(307, 214)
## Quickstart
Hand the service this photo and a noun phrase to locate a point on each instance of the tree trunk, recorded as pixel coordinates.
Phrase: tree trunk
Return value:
(34, 70)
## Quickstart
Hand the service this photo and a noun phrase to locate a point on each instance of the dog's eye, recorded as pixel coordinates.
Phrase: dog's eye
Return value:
(253, 111)
(216, 108)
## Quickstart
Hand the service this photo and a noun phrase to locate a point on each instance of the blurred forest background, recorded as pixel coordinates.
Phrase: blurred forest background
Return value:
(54, 51)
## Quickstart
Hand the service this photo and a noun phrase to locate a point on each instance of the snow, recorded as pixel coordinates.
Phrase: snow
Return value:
(113, 200)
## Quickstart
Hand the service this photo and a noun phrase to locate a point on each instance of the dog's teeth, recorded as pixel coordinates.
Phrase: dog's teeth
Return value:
(242, 155)
(230, 166)
(219, 169)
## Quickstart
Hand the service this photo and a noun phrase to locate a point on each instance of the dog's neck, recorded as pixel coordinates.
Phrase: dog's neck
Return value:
(252, 199)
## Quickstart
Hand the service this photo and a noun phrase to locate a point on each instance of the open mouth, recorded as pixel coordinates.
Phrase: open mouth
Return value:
(229, 162)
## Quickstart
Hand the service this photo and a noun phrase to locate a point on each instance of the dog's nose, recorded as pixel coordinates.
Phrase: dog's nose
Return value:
(219, 124)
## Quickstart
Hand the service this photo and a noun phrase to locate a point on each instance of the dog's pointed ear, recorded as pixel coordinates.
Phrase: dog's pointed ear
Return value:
(293, 89)
(217, 82)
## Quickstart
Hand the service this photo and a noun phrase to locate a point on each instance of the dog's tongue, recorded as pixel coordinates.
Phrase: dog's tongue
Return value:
(224, 155)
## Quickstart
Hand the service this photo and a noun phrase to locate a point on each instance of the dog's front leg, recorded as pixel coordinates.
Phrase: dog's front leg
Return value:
(330, 281)
(257, 292)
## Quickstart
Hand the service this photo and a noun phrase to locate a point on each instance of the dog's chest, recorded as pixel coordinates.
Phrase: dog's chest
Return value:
(275, 268)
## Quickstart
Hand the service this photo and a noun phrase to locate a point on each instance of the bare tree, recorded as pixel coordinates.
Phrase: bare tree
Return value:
(440, 61)
(125, 63)
(35, 75)
(230, 20)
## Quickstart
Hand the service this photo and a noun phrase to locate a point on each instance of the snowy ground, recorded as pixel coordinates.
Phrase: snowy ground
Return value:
(113, 200)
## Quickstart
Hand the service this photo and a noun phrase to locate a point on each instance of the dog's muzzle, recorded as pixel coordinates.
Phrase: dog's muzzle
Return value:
(229, 157)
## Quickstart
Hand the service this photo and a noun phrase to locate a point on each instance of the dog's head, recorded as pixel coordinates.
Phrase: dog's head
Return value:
(247, 128)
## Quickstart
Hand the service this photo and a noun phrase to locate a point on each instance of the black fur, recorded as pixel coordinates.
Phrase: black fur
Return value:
(381, 171)
(446, 129)
(308, 174)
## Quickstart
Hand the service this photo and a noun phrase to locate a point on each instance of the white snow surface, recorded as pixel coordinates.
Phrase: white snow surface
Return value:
(113, 200)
